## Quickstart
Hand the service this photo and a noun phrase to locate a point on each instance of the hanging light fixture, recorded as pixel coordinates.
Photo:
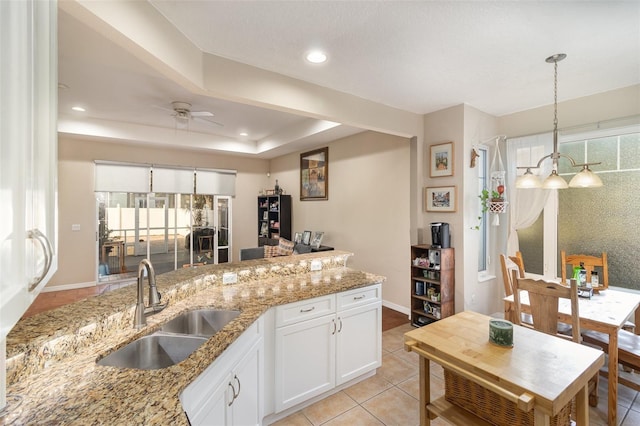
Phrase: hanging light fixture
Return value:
(583, 179)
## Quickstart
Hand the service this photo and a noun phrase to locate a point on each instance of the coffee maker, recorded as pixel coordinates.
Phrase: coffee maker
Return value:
(440, 235)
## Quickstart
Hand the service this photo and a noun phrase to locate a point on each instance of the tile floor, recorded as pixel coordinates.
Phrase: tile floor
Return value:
(391, 396)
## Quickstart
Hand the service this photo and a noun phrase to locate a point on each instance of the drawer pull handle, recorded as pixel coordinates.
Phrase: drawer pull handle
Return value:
(359, 297)
(302, 311)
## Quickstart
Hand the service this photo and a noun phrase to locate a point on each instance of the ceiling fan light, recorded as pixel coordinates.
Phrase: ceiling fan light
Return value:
(528, 181)
(553, 181)
(585, 178)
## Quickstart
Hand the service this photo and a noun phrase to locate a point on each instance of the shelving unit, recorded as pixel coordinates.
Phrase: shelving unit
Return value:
(432, 284)
(274, 217)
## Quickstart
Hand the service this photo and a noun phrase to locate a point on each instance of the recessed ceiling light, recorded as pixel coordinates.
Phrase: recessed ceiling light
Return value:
(244, 134)
(78, 108)
(316, 57)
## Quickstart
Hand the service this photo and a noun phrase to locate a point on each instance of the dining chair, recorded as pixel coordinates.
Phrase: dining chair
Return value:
(513, 263)
(589, 262)
(543, 302)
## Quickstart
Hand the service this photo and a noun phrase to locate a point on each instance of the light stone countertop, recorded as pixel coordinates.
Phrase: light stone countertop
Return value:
(51, 357)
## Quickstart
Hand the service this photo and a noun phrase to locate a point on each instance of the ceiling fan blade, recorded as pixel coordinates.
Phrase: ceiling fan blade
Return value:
(207, 120)
(201, 114)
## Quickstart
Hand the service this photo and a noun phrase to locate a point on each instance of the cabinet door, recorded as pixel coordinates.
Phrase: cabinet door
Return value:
(305, 360)
(28, 155)
(246, 406)
(359, 341)
(214, 412)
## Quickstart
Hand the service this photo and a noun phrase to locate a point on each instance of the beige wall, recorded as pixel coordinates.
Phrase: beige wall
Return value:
(368, 207)
(77, 265)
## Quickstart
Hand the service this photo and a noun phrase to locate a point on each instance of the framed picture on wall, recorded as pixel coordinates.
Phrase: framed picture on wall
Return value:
(314, 175)
(441, 160)
(440, 199)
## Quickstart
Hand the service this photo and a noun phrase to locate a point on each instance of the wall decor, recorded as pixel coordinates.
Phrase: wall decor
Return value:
(314, 175)
(440, 199)
(441, 160)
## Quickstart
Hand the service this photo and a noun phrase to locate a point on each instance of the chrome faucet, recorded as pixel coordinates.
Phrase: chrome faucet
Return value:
(140, 318)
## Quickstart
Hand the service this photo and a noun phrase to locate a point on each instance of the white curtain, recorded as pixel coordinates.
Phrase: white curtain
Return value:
(526, 204)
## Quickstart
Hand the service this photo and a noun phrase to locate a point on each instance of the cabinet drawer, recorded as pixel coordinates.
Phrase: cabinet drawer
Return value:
(360, 296)
(305, 309)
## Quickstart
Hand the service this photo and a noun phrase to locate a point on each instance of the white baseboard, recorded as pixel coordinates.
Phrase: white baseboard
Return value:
(398, 308)
(69, 286)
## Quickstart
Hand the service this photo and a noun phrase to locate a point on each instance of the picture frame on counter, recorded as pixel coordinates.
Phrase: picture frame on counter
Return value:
(440, 199)
(317, 239)
(297, 238)
(306, 237)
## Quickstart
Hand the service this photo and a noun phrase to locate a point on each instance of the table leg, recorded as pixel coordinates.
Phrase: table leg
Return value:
(425, 391)
(540, 418)
(582, 406)
(613, 376)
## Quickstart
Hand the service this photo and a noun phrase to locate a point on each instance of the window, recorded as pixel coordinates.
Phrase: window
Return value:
(590, 221)
(483, 229)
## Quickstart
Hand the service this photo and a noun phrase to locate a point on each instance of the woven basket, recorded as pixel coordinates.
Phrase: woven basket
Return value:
(491, 407)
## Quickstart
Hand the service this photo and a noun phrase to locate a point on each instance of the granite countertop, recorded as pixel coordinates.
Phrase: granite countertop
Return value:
(51, 357)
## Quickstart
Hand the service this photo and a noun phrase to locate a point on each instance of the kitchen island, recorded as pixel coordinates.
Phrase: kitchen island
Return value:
(51, 357)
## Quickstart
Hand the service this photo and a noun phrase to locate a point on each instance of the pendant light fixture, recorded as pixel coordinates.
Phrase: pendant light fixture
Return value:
(583, 179)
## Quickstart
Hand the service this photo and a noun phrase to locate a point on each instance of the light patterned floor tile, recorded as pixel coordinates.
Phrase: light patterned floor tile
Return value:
(366, 389)
(357, 416)
(328, 408)
(396, 370)
(296, 419)
(394, 407)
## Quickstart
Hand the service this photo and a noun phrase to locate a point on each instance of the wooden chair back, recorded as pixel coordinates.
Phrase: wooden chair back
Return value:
(514, 263)
(544, 298)
(589, 262)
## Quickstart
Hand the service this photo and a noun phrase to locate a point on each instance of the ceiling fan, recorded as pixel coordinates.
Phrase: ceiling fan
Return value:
(182, 113)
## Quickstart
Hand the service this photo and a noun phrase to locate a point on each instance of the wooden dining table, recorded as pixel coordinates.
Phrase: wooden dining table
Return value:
(540, 372)
(605, 312)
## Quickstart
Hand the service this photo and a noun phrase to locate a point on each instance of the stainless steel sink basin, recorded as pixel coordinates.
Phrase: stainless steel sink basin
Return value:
(176, 340)
(153, 352)
(201, 322)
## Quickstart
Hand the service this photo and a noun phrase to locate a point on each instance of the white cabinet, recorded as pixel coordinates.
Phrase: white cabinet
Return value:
(28, 154)
(324, 342)
(230, 391)
(28, 158)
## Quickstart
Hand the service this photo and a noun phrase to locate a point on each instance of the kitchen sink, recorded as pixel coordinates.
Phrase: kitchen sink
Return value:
(153, 352)
(200, 322)
(175, 341)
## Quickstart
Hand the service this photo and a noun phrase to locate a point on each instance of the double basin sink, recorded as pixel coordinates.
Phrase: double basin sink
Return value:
(175, 341)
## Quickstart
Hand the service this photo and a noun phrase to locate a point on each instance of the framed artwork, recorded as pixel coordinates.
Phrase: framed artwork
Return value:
(297, 238)
(317, 239)
(440, 199)
(314, 175)
(306, 237)
(441, 160)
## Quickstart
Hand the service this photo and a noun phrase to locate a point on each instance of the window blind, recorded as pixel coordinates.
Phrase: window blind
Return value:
(172, 180)
(122, 177)
(216, 182)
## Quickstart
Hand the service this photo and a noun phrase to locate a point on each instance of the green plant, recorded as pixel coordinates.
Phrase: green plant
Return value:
(486, 197)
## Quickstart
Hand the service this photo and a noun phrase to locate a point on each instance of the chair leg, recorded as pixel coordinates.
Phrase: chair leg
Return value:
(593, 393)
